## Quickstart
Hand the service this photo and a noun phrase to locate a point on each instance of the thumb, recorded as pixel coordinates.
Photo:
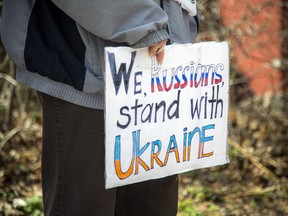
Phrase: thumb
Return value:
(157, 50)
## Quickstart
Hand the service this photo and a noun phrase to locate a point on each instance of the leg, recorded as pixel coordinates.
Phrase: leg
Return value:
(73, 160)
(156, 198)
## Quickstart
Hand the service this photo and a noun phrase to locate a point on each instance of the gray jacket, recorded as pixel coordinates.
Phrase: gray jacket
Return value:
(58, 45)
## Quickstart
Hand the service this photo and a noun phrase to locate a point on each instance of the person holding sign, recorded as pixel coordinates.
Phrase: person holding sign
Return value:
(58, 49)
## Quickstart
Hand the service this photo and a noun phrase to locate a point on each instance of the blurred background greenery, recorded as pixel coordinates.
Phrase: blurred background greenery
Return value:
(253, 183)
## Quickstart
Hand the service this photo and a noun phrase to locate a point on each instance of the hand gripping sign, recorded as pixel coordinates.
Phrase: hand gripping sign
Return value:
(165, 119)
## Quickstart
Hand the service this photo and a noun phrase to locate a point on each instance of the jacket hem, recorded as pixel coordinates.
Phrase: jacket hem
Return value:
(60, 90)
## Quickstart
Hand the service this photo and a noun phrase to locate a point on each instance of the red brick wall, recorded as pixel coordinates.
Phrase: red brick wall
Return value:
(256, 40)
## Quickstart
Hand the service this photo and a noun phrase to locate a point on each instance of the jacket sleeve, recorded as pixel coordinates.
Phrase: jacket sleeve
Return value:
(138, 23)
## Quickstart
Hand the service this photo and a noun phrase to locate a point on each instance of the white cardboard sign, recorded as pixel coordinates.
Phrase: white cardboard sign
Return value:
(165, 119)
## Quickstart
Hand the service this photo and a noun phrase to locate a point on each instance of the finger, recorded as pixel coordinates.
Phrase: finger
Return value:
(160, 56)
(154, 49)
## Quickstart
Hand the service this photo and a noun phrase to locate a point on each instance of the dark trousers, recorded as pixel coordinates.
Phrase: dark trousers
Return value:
(73, 169)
